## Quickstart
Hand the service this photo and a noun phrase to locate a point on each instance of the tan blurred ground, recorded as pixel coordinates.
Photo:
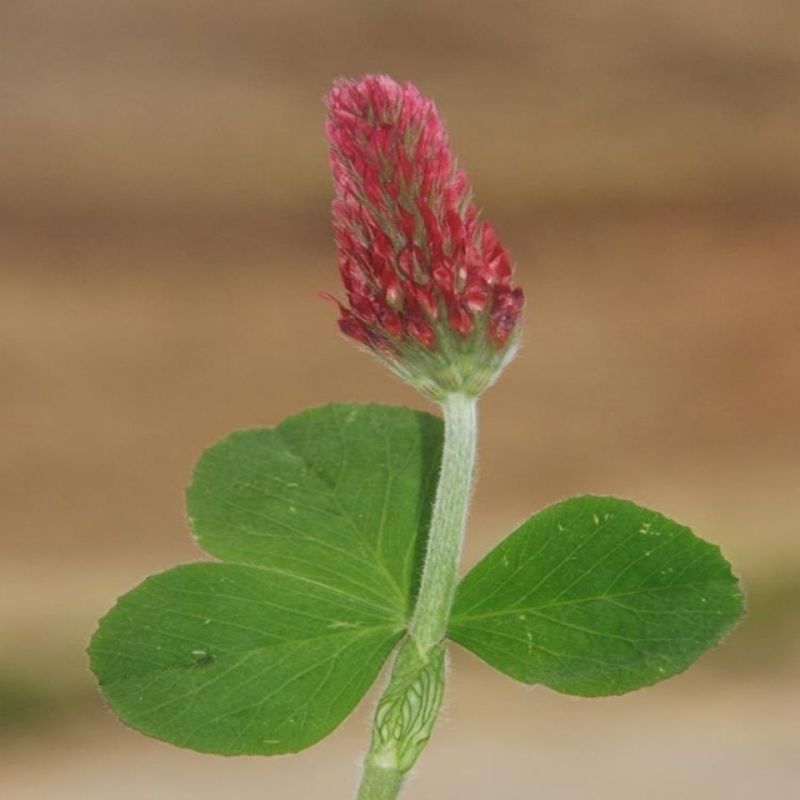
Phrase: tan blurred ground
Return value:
(163, 230)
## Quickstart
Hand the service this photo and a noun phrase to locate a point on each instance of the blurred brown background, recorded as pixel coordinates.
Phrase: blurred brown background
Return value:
(163, 229)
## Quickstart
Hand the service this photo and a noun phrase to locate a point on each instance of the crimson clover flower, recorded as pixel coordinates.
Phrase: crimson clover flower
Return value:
(428, 284)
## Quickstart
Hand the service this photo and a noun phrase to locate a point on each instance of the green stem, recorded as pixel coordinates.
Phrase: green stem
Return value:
(410, 704)
(448, 521)
(380, 783)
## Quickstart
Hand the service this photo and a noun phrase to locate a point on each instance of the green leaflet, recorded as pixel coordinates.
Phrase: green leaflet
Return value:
(326, 516)
(235, 660)
(339, 494)
(596, 596)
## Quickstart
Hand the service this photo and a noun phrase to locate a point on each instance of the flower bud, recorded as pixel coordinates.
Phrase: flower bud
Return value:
(427, 283)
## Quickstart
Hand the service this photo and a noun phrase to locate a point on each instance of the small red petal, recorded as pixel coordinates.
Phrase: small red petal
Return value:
(475, 297)
(506, 308)
(422, 332)
(350, 326)
(460, 321)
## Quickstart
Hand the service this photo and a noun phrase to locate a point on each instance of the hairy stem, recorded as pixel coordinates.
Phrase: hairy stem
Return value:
(449, 518)
(410, 704)
(380, 783)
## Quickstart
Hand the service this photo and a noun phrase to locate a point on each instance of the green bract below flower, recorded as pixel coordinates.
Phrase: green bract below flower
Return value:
(428, 284)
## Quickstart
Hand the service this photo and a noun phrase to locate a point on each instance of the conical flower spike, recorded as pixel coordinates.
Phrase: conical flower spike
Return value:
(427, 284)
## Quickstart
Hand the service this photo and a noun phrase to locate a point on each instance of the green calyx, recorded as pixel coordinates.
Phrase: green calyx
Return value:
(454, 365)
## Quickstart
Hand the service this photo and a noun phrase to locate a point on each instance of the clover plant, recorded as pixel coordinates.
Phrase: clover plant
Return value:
(337, 533)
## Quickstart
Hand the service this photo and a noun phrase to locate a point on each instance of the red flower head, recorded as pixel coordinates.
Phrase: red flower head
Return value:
(428, 284)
